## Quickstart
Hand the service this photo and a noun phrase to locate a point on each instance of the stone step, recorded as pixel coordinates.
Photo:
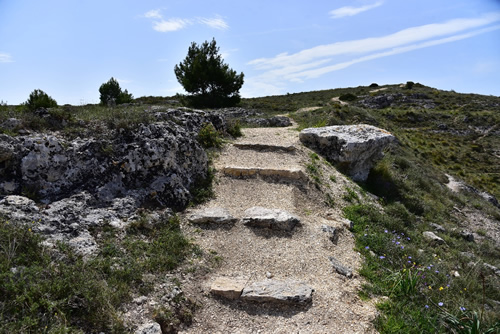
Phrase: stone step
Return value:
(282, 173)
(273, 219)
(278, 292)
(265, 147)
(212, 216)
(287, 292)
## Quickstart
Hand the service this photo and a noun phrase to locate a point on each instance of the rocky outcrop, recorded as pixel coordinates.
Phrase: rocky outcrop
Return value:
(275, 121)
(385, 100)
(155, 163)
(82, 183)
(353, 148)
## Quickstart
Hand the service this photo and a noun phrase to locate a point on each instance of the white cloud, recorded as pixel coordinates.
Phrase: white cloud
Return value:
(317, 61)
(320, 71)
(174, 24)
(5, 58)
(170, 25)
(216, 23)
(351, 11)
(153, 14)
(402, 37)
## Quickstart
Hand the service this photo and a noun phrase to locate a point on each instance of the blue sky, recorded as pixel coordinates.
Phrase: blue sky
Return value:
(68, 48)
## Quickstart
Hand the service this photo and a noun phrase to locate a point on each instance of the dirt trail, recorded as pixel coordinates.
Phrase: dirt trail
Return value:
(258, 254)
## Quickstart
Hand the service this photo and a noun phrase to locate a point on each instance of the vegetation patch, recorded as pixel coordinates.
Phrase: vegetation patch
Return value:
(56, 291)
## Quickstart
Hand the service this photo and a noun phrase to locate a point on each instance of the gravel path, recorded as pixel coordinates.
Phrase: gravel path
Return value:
(253, 254)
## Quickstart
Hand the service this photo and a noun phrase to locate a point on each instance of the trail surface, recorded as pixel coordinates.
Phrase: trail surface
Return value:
(253, 254)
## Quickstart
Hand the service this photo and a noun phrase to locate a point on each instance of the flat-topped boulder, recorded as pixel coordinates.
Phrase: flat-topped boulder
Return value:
(274, 219)
(279, 292)
(353, 148)
(212, 216)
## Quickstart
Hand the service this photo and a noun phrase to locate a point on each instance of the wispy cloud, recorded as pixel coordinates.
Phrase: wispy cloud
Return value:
(351, 11)
(153, 14)
(170, 25)
(216, 23)
(5, 58)
(173, 24)
(322, 59)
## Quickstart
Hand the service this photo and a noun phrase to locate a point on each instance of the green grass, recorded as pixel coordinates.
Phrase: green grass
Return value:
(57, 291)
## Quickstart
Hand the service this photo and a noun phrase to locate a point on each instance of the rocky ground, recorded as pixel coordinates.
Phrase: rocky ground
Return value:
(278, 278)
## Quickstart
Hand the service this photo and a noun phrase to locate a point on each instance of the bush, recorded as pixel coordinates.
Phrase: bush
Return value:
(210, 82)
(209, 137)
(234, 128)
(39, 99)
(111, 93)
(409, 85)
(347, 97)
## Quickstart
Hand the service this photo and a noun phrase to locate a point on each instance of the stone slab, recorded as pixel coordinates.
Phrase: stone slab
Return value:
(280, 292)
(274, 219)
(212, 215)
(230, 288)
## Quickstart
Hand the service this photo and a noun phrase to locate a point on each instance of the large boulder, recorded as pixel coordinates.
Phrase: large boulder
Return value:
(353, 148)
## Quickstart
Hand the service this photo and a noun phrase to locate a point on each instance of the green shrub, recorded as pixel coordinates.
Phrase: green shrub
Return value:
(234, 128)
(409, 85)
(348, 97)
(209, 137)
(39, 99)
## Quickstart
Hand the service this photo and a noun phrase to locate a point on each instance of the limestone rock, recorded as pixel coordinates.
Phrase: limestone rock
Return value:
(85, 183)
(149, 328)
(467, 235)
(230, 288)
(434, 239)
(279, 292)
(275, 121)
(212, 215)
(438, 228)
(270, 218)
(353, 148)
(332, 232)
(340, 268)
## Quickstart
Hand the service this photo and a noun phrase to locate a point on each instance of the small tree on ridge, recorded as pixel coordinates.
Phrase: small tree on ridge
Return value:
(39, 99)
(204, 74)
(111, 93)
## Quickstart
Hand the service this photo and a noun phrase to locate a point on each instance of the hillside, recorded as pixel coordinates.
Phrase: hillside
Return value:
(111, 192)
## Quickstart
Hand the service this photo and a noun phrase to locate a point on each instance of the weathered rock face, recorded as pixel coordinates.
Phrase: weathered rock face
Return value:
(275, 121)
(353, 148)
(92, 181)
(155, 163)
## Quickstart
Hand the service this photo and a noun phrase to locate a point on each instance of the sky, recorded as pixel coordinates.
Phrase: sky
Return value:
(68, 48)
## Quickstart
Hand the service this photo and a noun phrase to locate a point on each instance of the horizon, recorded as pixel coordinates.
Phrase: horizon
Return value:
(68, 49)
